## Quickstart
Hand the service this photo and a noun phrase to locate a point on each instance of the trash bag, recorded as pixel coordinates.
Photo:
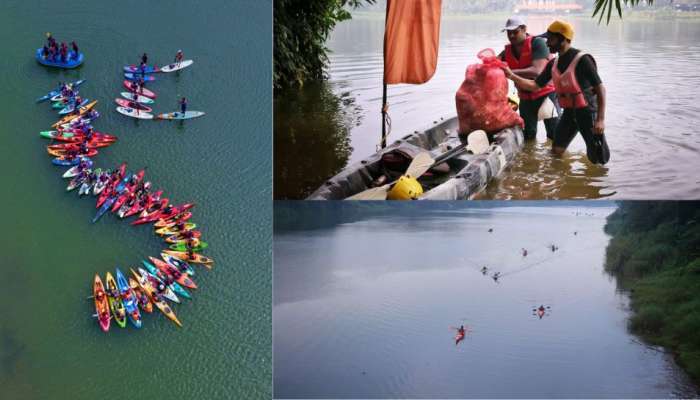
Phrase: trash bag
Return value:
(482, 99)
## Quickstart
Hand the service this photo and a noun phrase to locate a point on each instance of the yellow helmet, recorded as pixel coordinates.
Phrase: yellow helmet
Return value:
(407, 188)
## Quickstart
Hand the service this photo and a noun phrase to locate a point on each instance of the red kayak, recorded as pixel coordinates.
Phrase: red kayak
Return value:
(142, 91)
(64, 152)
(132, 104)
(130, 186)
(101, 303)
(138, 206)
(107, 192)
(167, 269)
(459, 337)
(162, 214)
(93, 144)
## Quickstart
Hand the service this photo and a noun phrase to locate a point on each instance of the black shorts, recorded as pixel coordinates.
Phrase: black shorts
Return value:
(528, 112)
(572, 121)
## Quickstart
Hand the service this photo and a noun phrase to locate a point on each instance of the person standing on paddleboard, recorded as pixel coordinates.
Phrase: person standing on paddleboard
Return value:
(527, 56)
(178, 57)
(183, 105)
(144, 58)
(580, 91)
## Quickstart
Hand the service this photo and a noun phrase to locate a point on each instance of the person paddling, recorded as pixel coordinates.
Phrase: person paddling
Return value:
(183, 105)
(178, 57)
(144, 58)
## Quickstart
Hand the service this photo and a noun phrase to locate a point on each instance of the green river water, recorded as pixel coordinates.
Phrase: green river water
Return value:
(50, 347)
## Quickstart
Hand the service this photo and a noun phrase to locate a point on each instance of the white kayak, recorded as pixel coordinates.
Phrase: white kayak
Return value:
(179, 115)
(138, 98)
(134, 113)
(176, 66)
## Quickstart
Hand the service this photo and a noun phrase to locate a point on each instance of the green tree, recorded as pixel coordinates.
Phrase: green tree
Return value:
(301, 28)
(604, 7)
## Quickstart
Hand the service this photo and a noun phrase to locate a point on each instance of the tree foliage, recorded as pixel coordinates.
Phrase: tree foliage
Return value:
(604, 7)
(301, 28)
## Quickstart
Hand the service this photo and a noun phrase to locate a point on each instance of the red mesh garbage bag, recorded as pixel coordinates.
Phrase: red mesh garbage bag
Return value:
(482, 100)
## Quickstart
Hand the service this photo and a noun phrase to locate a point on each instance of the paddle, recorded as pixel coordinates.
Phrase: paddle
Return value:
(477, 143)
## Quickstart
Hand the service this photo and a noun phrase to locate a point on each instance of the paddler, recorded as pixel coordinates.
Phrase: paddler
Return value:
(144, 58)
(580, 91)
(74, 47)
(183, 105)
(527, 56)
(179, 56)
(524, 252)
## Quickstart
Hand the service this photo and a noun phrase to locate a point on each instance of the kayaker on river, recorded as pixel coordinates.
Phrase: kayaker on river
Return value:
(580, 91)
(183, 105)
(524, 252)
(527, 56)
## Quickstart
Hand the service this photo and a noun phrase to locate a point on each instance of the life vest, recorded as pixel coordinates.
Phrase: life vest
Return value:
(525, 61)
(567, 86)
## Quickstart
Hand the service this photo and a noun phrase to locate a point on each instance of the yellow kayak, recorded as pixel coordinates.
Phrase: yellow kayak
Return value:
(196, 258)
(172, 230)
(68, 118)
(162, 306)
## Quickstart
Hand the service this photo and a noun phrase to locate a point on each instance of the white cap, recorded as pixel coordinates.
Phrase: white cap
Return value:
(513, 23)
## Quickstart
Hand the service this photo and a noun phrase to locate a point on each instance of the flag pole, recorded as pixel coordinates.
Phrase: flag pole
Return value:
(384, 105)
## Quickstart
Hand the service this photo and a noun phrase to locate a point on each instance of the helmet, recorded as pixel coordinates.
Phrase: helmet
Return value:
(407, 188)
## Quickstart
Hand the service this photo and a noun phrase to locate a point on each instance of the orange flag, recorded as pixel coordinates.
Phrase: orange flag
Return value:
(411, 40)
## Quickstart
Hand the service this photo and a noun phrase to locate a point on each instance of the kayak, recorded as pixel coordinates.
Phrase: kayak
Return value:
(179, 115)
(64, 152)
(137, 98)
(100, 184)
(58, 91)
(142, 91)
(132, 104)
(176, 66)
(72, 60)
(137, 68)
(70, 107)
(167, 231)
(76, 136)
(172, 221)
(115, 302)
(80, 123)
(178, 237)
(136, 77)
(177, 263)
(168, 293)
(182, 246)
(101, 303)
(150, 291)
(74, 171)
(129, 300)
(92, 144)
(124, 196)
(63, 161)
(114, 185)
(68, 118)
(161, 213)
(137, 206)
(75, 182)
(105, 207)
(196, 258)
(181, 278)
(141, 296)
(459, 337)
(134, 113)
(463, 177)
(174, 286)
(60, 98)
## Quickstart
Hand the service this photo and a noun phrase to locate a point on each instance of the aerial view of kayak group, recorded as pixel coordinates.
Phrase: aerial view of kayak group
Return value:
(75, 143)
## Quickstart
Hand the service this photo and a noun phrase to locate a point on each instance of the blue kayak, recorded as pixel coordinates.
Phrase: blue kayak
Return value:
(71, 107)
(132, 309)
(68, 163)
(58, 90)
(135, 77)
(137, 68)
(71, 62)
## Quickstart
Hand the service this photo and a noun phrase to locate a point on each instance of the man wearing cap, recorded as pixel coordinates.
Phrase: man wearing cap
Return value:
(527, 56)
(580, 91)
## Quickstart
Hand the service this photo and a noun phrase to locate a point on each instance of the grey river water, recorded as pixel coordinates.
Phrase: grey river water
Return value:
(649, 68)
(363, 306)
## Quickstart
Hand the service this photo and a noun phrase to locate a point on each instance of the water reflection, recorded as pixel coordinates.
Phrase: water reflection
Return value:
(311, 137)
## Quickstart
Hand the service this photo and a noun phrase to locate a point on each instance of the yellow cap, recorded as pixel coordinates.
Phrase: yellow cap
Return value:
(563, 28)
(407, 188)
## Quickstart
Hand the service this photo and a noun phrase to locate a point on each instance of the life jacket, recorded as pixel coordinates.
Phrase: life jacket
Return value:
(567, 86)
(525, 61)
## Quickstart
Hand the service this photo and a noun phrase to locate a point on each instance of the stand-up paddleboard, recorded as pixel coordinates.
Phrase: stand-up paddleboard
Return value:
(130, 104)
(142, 91)
(133, 113)
(137, 98)
(179, 115)
(136, 77)
(176, 66)
(137, 68)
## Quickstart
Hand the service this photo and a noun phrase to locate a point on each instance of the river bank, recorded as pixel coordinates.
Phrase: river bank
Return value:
(654, 254)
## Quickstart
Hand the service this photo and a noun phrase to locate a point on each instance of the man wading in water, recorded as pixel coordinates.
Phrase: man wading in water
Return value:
(580, 91)
(527, 56)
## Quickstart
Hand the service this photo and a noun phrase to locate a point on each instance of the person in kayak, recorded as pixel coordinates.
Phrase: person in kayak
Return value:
(179, 56)
(524, 252)
(527, 56)
(496, 276)
(484, 270)
(580, 91)
(183, 105)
